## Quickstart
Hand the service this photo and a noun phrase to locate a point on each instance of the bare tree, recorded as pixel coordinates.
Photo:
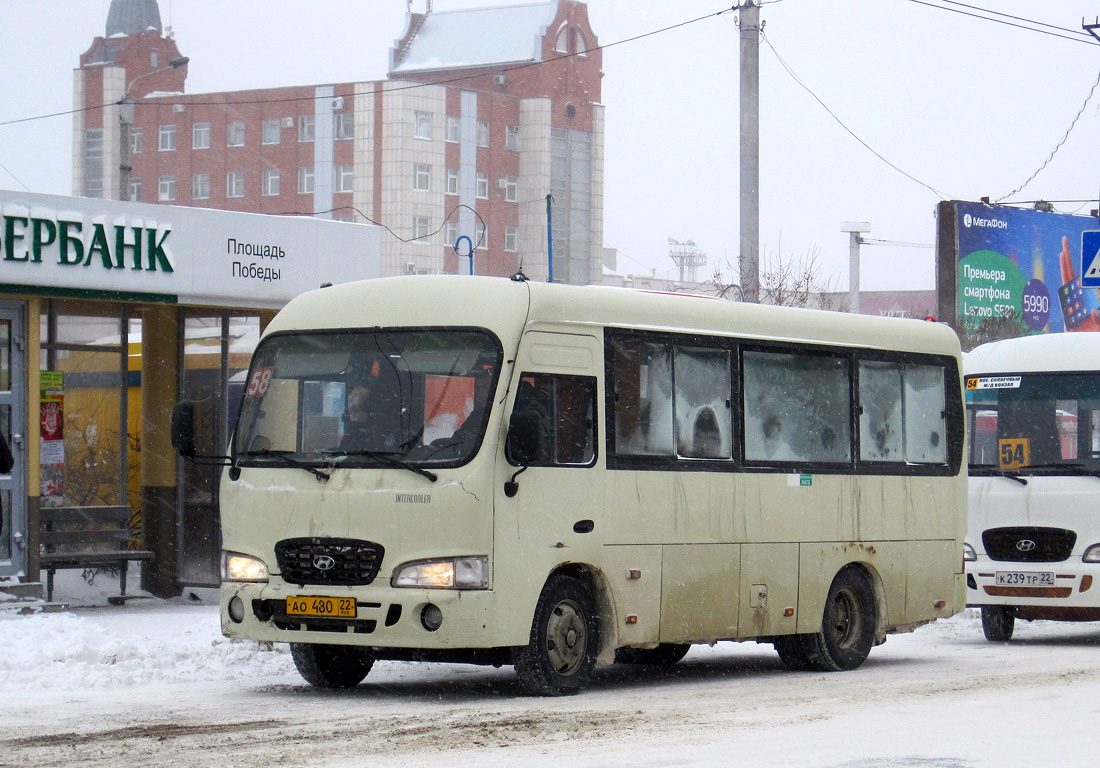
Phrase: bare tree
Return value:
(786, 282)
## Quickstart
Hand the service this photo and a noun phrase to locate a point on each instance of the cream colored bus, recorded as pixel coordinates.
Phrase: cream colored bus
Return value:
(554, 477)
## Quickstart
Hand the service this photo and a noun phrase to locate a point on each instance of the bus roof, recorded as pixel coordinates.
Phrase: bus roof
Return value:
(504, 305)
(1036, 354)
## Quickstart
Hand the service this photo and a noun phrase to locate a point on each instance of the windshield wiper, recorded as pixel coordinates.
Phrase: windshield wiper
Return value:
(987, 471)
(386, 458)
(1071, 467)
(286, 461)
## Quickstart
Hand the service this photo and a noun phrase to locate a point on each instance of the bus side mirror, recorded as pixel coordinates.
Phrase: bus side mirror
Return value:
(183, 428)
(524, 436)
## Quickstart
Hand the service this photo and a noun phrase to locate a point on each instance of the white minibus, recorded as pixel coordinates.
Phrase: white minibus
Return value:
(553, 477)
(1033, 544)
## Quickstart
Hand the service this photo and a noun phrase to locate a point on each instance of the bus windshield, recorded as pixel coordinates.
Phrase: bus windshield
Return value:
(1038, 422)
(367, 398)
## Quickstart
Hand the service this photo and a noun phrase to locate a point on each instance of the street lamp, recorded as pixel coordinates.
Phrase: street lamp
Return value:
(126, 120)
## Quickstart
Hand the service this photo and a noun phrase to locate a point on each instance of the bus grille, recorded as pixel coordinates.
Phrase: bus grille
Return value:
(1029, 544)
(345, 562)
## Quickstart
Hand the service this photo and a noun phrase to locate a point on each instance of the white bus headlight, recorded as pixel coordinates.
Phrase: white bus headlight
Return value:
(969, 555)
(451, 573)
(238, 567)
(1092, 554)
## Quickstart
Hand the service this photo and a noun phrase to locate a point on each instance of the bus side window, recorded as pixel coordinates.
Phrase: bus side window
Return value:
(643, 398)
(565, 408)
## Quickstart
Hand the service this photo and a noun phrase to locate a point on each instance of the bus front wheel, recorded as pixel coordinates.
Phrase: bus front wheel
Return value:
(331, 666)
(847, 628)
(998, 621)
(561, 654)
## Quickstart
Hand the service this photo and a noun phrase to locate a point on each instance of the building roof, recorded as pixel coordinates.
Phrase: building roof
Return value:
(130, 17)
(475, 37)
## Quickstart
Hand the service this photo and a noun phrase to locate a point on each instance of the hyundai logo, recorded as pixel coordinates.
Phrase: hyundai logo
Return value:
(1026, 545)
(327, 562)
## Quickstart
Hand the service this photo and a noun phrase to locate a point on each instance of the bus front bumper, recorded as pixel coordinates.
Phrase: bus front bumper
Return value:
(384, 617)
(1046, 587)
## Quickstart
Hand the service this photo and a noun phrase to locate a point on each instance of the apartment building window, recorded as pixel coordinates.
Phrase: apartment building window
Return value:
(200, 186)
(93, 162)
(511, 239)
(344, 125)
(452, 128)
(166, 189)
(511, 188)
(234, 184)
(481, 240)
(420, 228)
(422, 176)
(482, 184)
(482, 133)
(234, 133)
(307, 128)
(305, 181)
(135, 140)
(450, 232)
(167, 136)
(269, 182)
(272, 133)
(511, 137)
(345, 178)
(452, 181)
(135, 190)
(200, 136)
(423, 129)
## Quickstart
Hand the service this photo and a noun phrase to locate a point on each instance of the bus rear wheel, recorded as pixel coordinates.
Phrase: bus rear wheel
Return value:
(998, 621)
(331, 666)
(664, 655)
(561, 654)
(847, 628)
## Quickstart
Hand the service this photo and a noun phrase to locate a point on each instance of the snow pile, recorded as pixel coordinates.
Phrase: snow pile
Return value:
(71, 651)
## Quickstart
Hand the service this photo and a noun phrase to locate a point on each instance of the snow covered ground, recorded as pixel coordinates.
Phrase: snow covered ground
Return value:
(154, 683)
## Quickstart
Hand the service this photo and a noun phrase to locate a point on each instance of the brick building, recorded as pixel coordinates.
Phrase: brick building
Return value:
(484, 110)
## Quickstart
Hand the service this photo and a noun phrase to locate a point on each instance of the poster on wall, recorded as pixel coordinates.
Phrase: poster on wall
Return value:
(1024, 264)
(52, 452)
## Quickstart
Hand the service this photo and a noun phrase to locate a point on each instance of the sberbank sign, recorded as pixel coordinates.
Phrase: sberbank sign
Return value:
(72, 243)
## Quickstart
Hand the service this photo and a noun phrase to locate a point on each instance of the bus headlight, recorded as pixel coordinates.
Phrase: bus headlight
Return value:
(238, 567)
(1092, 554)
(969, 555)
(449, 573)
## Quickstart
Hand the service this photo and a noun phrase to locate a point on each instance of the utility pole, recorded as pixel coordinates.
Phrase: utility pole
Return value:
(749, 22)
(854, 230)
(125, 123)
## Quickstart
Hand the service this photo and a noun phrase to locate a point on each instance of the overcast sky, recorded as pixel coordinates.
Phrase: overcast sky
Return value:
(966, 106)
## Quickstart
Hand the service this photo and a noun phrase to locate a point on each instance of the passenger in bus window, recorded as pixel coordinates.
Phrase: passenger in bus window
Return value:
(358, 434)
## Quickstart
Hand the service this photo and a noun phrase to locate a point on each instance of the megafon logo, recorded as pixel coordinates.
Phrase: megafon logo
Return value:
(973, 221)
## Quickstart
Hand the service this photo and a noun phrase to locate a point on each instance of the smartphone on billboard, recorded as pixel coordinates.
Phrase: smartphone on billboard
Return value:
(1072, 298)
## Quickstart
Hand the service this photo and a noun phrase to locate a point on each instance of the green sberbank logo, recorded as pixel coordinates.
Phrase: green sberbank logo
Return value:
(67, 242)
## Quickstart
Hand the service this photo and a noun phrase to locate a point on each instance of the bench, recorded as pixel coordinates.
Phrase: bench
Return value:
(86, 537)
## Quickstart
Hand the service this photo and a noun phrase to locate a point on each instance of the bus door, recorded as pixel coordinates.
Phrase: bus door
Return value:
(549, 512)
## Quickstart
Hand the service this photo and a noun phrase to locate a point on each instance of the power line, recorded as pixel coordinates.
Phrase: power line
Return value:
(24, 186)
(840, 122)
(1007, 23)
(480, 240)
(1054, 151)
(449, 81)
(1017, 18)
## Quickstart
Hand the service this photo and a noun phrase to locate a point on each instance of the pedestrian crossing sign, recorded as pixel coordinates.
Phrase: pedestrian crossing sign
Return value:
(1090, 259)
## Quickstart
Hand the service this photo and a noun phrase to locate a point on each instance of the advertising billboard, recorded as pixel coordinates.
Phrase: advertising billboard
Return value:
(1004, 262)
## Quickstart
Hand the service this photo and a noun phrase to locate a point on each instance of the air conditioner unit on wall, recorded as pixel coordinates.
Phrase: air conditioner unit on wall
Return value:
(288, 122)
(410, 268)
(338, 102)
(502, 183)
(500, 80)
(178, 108)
